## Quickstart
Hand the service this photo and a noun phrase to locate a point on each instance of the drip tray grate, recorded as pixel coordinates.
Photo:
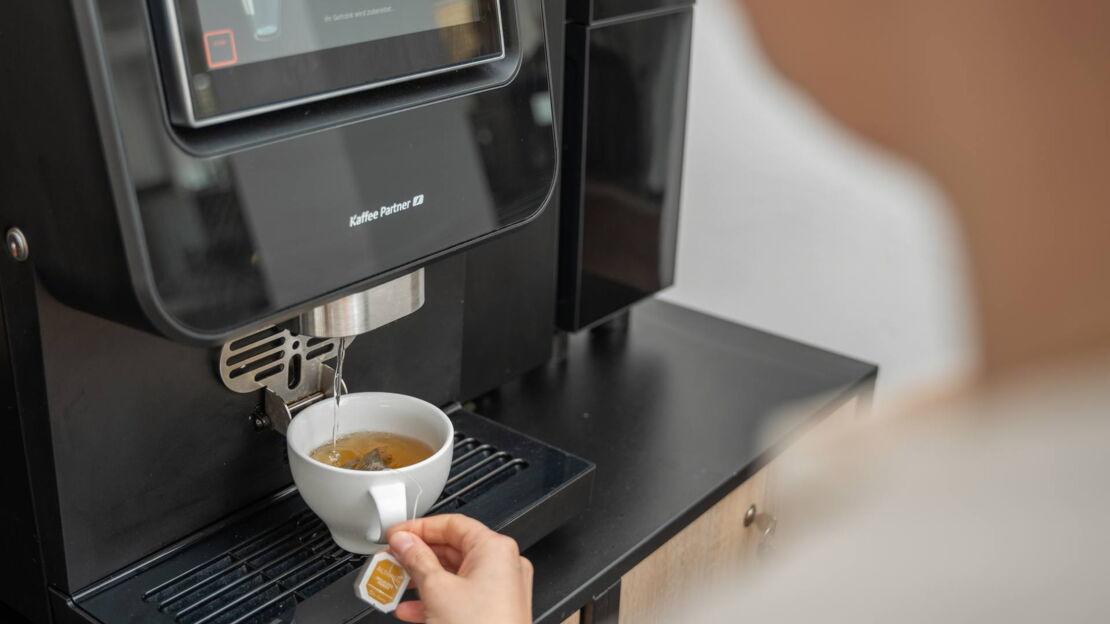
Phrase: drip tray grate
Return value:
(275, 563)
(256, 580)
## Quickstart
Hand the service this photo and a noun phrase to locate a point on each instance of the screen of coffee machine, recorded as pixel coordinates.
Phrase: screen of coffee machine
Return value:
(234, 58)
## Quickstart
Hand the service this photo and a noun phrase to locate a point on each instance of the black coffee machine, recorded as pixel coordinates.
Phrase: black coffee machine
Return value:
(201, 195)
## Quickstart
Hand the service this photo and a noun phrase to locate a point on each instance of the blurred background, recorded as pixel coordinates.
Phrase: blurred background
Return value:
(792, 226)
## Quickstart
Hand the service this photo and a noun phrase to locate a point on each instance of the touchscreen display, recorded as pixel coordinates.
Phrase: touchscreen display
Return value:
(237, 32)
(237, 58)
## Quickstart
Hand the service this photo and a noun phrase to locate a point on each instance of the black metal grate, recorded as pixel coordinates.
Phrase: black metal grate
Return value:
(269, 573)
(475, 469)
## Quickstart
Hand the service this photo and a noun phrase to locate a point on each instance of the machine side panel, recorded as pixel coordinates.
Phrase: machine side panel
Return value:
(510, 293)
(621, 220)
(41, 104)
(22, 577)
(575, 100)
(54, 176)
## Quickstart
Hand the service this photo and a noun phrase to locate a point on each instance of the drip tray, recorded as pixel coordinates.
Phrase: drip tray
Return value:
(280, 565)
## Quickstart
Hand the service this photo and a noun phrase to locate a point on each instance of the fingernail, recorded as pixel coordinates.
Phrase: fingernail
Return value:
(400, 542)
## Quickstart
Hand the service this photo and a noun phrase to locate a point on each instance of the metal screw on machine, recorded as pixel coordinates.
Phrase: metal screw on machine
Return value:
(18, 247)
(260, 422)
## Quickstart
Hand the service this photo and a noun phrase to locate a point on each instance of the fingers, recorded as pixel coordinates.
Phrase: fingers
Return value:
(526, 573)
(449, 556)
(455, 530)
(411, 611)
(421, 563)
(460, 567)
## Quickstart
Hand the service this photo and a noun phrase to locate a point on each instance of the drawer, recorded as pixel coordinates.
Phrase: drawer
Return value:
(718, 543)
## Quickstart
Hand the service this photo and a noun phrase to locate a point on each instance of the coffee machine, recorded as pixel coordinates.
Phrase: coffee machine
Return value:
(200, 196)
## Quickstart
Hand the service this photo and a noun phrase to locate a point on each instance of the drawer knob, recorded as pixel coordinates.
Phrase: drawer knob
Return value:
(766, 523)
(749, 516)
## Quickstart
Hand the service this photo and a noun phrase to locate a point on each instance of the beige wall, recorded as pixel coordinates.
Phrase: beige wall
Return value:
(791, 226)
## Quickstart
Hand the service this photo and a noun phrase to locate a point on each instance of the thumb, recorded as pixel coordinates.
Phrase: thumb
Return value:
(415, 556)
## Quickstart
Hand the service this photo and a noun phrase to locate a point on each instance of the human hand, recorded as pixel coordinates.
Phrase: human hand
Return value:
(465, 572)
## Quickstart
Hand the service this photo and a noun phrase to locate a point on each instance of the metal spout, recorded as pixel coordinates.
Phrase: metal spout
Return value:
(366, 311)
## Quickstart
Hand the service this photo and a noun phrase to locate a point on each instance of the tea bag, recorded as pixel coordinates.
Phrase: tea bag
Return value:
(375, 460)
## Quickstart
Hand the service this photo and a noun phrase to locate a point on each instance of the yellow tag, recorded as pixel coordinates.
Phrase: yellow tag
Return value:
(381, 582)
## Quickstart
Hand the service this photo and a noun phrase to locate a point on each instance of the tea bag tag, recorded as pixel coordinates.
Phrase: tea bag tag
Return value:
(383, 579)
(382, 582)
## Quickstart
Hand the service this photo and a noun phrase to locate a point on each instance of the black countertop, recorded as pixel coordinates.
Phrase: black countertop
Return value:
(671, 412)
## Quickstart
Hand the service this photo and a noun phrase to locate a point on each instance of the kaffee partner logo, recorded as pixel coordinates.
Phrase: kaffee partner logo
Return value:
(366, 216)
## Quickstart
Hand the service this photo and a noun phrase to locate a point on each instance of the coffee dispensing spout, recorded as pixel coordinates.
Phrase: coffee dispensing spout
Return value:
(367, 310)
(290, 368)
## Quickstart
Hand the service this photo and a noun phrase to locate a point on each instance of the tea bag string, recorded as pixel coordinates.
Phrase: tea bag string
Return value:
(409, 514)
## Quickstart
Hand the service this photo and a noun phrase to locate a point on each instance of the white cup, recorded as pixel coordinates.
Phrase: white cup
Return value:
(357, 505)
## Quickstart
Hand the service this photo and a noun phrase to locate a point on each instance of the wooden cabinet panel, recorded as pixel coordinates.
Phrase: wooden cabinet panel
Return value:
(718, 543)
(781, 504)
(574, 619)
(715, 544)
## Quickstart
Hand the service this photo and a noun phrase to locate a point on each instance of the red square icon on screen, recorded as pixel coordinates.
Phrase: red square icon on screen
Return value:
(219, 48)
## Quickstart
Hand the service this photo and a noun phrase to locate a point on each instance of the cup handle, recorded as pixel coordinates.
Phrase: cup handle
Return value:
(391, 501)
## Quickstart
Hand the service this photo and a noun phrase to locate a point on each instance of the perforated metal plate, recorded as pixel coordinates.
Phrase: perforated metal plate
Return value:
(288, 364)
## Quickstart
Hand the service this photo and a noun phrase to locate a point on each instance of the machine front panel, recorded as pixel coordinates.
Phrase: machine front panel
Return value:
(249, 219)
